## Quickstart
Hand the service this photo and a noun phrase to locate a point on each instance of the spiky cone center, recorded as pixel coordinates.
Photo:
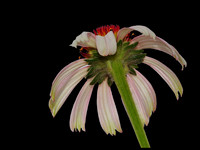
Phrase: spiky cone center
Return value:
(126, 54)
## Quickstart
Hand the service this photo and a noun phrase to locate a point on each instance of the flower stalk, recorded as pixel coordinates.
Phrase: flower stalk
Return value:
(119, 77)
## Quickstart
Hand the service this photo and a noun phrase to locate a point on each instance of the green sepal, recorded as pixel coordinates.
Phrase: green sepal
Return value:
(95, 53)
(102, 78)
(119, 44)
(110, 81)
(132, 71)
(125, 44)
(132, 46)
(95, 80)
(137, 56)
(99, 78)
(132, 52)
(135, 61)
(134, 66)
(91, 60)
(91, 73)
(91, 68)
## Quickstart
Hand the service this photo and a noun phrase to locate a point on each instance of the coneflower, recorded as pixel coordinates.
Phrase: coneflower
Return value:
(112, 55)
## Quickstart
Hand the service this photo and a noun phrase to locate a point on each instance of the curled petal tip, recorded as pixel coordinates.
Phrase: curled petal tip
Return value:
(114, 134)
(77, 129)
(72, 129)
(184, 66)
(85, 39)
(53, 113)
(73, 45)
(180, 94)
(183, 63)
(51, 108)
(120, 130)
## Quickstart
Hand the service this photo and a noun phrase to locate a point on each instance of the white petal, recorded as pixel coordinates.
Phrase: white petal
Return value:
(107, 111)
(101, 45)
(147, 42)
(85, 39)
(106, 45)
(111, 43)
(142, 29)
(56, 102)
(79, 111)
(168, 75)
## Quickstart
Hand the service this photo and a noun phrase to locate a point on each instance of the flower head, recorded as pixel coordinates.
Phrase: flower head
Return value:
(106, 51)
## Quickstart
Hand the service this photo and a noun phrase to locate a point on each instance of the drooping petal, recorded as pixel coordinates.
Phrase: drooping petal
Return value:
(106, 45)
(142, 29)
(167, 74)
(79, 111)
(147, 87)
(85, 39)
(139, 99)
(64, 75)
(147, 42)
(58, 99)
(111, 43)
(107, 111)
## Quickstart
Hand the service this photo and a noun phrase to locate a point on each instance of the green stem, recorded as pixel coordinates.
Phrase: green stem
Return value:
(119, 76)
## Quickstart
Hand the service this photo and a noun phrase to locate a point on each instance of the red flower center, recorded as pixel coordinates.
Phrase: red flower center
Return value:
(105, 29)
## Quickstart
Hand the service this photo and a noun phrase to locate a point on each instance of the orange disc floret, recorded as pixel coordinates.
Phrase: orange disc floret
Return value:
(86, 52)
(105, 29)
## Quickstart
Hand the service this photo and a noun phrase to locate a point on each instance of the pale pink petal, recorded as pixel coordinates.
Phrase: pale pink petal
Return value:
(64, 75)
(147, 42)
(111, 43)
(147, 85)
(148, 104)
(122, 33)
(168, 75)
(107, 111)
(101, 45)
(85, 39)
(142, 29)
(146, 91)
(79, 111)
(139, 100)
(57, 101)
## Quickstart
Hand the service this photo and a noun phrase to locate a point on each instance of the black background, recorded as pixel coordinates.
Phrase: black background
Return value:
(53, 29)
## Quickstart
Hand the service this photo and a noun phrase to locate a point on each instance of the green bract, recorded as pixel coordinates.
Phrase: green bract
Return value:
(126, 54)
